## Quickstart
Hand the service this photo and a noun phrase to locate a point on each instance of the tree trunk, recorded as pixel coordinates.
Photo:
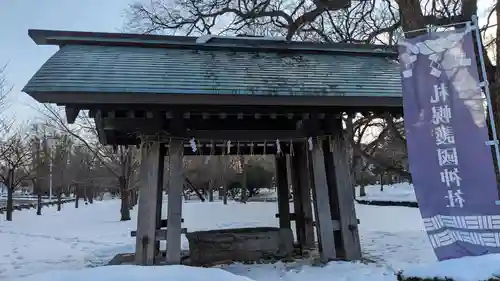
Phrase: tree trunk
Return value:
(381, 181)
(77, 196)
(91, 197)
(125, 206)
(125, 201)
(39, 204)
(362, 190)
(131, 199)
(59, 199)
(136, 197)
(211, 191)
(10, 203)
(244, 186)
(132, 194)
(10, 194)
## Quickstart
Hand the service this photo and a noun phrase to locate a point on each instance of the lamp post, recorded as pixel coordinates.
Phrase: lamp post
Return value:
(50, 144)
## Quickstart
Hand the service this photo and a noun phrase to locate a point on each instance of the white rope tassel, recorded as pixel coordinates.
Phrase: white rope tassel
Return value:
(192, 143)
(278, 146)
(310, 143)
(228, 147)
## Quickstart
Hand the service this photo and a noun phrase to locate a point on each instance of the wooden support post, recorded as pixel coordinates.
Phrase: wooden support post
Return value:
(293, 177)
(174, 203)
(332, 196)
(301, 171)
(148, 193)
(324, 218)
(343, 191)
(283, 201)
(159, 202)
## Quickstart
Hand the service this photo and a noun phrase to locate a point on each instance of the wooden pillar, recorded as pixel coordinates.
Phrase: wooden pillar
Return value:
(332, 196)
(294, 178)
(159, 202)
(342, 191)
(302, 175)
(148, 203)
(174, 203)
(324, 218)
(282, 184)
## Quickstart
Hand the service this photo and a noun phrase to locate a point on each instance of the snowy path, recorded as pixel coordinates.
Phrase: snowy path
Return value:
(92, 234)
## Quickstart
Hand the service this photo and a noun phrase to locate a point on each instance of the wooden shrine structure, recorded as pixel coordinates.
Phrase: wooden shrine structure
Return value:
(231, 95)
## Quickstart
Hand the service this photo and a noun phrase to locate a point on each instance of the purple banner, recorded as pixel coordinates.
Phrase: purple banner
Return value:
(446, 130)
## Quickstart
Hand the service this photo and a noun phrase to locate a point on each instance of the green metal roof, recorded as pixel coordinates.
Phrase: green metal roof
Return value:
(117, 69)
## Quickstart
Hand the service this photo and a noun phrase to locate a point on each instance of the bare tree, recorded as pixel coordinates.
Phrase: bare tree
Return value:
(120, 162)
(16, 166)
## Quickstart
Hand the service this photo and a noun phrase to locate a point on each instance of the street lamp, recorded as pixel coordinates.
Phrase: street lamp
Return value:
(50, 144)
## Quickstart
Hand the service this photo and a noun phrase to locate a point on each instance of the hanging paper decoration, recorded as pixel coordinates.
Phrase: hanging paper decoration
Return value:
(192, 143)
(310, 143)
(198, 144)
(278, 146)
(228, 147)
(251, 148)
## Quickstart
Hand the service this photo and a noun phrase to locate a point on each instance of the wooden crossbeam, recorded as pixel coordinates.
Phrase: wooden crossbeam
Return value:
(161, 234)
(293, 217)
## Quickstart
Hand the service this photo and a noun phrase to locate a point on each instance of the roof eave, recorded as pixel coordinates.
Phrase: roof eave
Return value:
(52, 37)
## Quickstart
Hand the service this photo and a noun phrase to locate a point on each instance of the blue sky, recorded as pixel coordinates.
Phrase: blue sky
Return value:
(24, 57)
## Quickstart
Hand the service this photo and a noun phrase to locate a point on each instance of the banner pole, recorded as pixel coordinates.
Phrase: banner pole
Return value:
(486, 88)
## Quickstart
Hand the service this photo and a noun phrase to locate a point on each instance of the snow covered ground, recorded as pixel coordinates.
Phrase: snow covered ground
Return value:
(92, 235)
(70, 245)
(400, 192)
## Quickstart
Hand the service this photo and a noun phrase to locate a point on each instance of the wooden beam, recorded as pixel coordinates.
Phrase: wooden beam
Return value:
(174, 206)
(298, 216)
(332, 195)
(244, 135)
(216, 99)
(345, 194)
(324, 220)
(198, 123)
(71, 114)
(295, 217)
(164, 223)
(99, 124)
(283, 193)
(159, 198)
(301, 168)
(148, 193)
(161, 234)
